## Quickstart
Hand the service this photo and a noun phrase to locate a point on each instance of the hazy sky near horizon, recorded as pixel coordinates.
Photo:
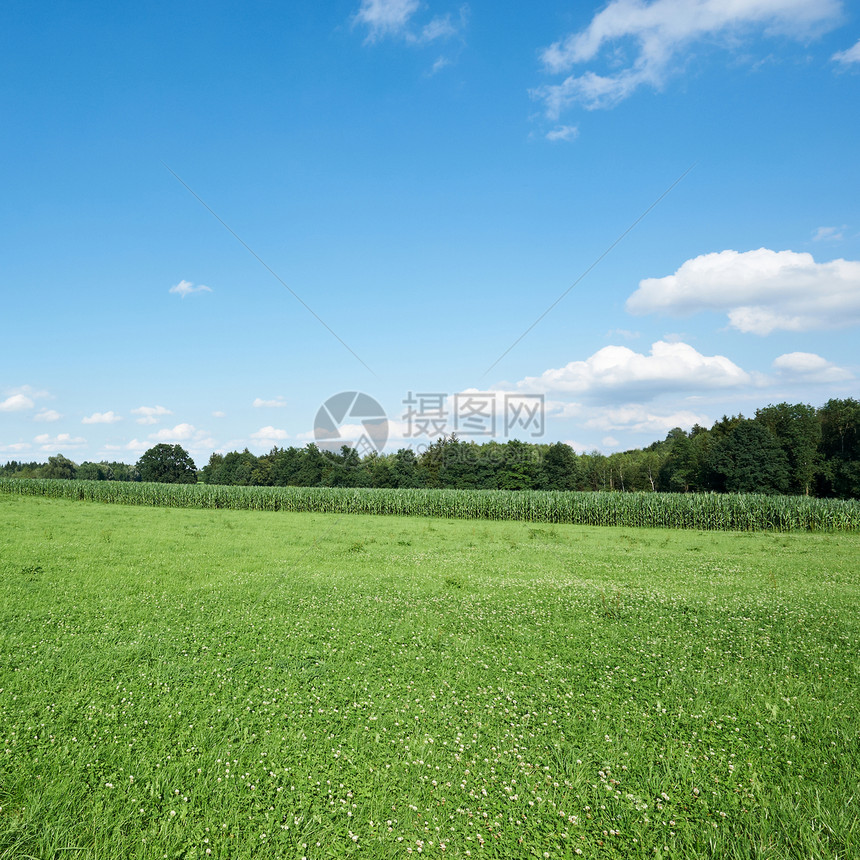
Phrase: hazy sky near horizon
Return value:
(218, 215)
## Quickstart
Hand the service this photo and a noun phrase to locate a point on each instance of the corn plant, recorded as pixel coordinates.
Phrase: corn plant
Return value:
(706, 511)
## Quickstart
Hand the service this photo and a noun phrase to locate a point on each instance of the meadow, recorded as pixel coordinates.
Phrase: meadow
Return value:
(192, 683)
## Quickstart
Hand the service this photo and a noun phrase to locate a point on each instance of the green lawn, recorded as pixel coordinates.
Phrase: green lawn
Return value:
(190, 683)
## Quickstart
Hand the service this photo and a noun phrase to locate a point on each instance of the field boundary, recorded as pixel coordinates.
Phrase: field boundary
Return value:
(705, 512)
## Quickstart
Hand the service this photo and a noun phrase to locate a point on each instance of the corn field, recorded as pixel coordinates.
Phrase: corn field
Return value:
(707, 512)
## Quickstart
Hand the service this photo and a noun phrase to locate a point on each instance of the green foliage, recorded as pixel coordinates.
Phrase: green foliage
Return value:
(167, 464)
(91, 472)
(840, 448)
(749, 459)
(560, 467)
(58, 467)
(787, 448)
(797, 428)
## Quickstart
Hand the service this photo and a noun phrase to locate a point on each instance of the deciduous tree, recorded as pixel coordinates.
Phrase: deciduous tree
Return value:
(167, 464)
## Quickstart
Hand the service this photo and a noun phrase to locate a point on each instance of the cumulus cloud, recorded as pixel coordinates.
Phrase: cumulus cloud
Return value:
(636, 419)
(809, 367)
(270, 434)
(660, 33)
(185, 434)
(150, 414)
(47, 415)
(850, 56)
(276, 402)
(186, 288)
(616, 372)
(102, 418)
(16, 447)
(61, 441)
(179, 433)
(16, 403)
(28, 391)
(135, 445)
(396, 19)
(761, 291)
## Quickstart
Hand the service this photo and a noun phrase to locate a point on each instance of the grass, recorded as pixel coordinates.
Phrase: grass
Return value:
(210, 683)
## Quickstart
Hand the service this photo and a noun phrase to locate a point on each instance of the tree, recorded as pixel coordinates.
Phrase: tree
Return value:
(520, 468)
(840, 447)
(120, 471)
(594, 473)
(167, 464)
(560, 467)
(312, 467)
(88, 471)
(344, 469)
(749, 459)
(678, 472)
(286, 464)
(404, 469)
(433, 460)
(686, 466)
(797, 427)
(58, 467)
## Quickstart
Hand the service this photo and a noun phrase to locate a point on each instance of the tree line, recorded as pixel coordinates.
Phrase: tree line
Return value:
(792, 449)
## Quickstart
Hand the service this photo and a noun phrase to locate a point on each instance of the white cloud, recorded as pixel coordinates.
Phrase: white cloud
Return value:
(16, 447)
(186, 434)
(438, 28)
(186, 288)
(219, 414)
(102, 418)
(635, 418)
(60, 441)
(385, 17)
(563, 132)
(829, 234)
(276, 403)
(761, 291)
(616, 372)
(395, 19)
(610, 442)
(270, 434)
(627, 334)
(809, 367)
(850, 56)
(150, 414)
(440, 64)
(28, 391)
(136, 446)
(660, 32)
(179, 433)
(47, 415)
(16, 403)
(579, 447)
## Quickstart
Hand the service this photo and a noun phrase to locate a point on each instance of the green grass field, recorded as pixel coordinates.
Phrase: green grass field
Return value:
(211, 683)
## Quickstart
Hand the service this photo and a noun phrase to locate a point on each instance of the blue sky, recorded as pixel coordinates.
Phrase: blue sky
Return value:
(215, 216)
